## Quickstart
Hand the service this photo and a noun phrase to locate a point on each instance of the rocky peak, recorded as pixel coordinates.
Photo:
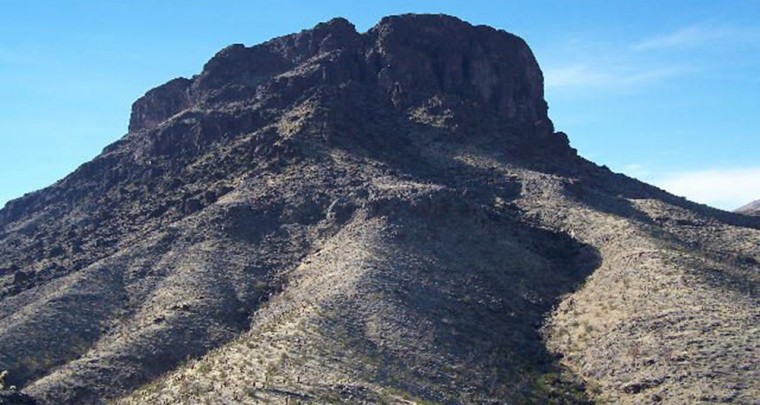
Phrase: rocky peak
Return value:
(329, 36)
(419, 55)
(407, 72)
(436, 63)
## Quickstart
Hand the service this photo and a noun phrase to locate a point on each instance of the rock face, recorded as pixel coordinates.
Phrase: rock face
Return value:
(15, 398)
(159, 104)
(379, 217)
(752, 208)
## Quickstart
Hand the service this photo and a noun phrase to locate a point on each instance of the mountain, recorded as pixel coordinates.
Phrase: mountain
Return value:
(378, 217)
(752, 208)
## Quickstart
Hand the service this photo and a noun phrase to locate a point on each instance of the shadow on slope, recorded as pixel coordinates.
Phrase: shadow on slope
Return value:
(452, 307)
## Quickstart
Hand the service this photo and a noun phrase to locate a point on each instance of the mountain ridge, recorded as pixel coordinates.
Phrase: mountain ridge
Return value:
(752, 208)
(285, 223)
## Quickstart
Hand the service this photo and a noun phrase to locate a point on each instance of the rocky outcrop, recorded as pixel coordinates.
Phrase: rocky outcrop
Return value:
(449, 58)
(447, 66)
(159, 104)
(15, 398)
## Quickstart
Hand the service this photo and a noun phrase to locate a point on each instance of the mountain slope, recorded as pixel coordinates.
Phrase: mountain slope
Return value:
(752, 208)
(379, 217)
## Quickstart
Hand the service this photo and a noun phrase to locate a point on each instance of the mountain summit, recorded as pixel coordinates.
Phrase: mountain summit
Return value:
(379, 217)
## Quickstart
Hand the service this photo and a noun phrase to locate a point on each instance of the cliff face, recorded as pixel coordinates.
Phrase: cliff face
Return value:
(380, 217)
(448, 69)
(448, 59)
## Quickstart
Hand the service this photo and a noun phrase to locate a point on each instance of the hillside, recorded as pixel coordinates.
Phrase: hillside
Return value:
(379, 217)
(752, 208)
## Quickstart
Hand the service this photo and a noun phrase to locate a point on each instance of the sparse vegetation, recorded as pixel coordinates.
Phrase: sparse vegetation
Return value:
(325, 226)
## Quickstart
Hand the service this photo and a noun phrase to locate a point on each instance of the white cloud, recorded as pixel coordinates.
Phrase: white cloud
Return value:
(697, 35)
(723, 188)
(602, 65)
(602, 76)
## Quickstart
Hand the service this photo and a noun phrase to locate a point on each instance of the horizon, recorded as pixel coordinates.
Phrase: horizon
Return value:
(663, 92)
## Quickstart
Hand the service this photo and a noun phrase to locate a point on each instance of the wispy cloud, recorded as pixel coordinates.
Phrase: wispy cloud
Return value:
(723, 188)
(605, 65)
(620, 76)
(696, 36)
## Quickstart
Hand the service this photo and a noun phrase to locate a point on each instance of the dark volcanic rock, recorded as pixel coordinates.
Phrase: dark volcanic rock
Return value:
(448, 66)
(480, 65)
(159, 104)
(15, 398)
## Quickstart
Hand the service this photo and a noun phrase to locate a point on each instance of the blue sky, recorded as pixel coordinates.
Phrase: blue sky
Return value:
(665, 91)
